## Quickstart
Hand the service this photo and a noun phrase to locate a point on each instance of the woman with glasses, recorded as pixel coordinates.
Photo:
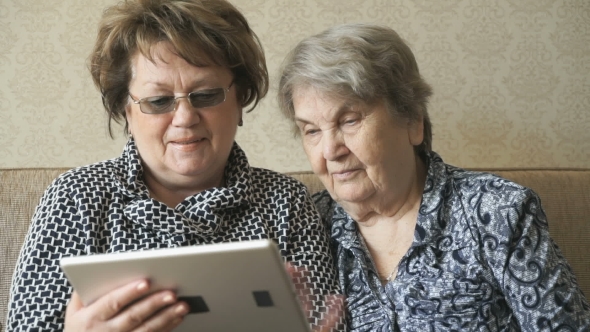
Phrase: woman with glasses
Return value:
(178, 74)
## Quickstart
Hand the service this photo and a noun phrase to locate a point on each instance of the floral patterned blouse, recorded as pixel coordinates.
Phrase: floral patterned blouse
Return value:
(481, 260)
(106, 207)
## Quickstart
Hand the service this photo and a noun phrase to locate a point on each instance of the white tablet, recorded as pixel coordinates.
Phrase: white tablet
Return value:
(237, 286)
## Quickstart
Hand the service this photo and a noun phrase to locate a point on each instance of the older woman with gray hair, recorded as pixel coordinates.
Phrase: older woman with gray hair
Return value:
(420, 245)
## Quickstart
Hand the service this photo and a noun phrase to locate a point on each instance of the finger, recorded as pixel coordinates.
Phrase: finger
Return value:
(334, 313)
(74, 305)
(111, 304)
(137, 313)
(290, 267)
(295, 273)
(299, 277)
(166, 319)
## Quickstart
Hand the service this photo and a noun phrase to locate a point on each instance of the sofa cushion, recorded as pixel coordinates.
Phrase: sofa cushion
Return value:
(565, 195)
(19, 195)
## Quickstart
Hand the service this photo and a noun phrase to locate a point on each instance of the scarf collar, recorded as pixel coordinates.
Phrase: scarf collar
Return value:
(203, 213)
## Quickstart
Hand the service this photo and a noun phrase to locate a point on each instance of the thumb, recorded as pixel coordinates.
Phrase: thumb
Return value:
(74, 305)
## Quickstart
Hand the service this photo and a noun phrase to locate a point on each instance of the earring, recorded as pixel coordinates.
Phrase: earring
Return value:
(130, 136)
(241, 123)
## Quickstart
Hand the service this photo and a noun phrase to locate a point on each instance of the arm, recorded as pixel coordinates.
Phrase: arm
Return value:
(39, 290)
(537, 282)
(309, 253)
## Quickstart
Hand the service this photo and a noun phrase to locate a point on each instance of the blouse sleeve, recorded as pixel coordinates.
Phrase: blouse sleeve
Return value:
(309, 250)
(537, 282)
(40, 291)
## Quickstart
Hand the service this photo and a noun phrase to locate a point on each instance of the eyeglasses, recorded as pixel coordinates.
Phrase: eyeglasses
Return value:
(197, 99)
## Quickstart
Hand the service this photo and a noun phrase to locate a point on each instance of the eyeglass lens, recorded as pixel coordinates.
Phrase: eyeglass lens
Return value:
(197, 99)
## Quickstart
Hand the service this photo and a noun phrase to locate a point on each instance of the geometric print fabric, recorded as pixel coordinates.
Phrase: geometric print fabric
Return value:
(105, 207)
(481, 260)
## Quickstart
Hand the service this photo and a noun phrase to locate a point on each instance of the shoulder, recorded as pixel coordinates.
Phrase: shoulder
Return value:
(486, 198)
(283, 193)
(98, 176)
(487, 188)
(467, 178)
(448, 182)
(324, 203)
(497, 207)
(267, 180)
(451, 178)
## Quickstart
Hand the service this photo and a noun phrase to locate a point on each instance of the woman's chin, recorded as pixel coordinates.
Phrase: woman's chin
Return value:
(185, 168)
(351, 194)
(188, 172)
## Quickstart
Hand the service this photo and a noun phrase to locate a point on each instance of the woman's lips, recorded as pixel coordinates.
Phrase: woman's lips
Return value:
(188, 145)
(344, 175)
(188, 141)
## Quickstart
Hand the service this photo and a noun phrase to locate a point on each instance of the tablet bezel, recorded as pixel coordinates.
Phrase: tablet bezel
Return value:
(233, 272)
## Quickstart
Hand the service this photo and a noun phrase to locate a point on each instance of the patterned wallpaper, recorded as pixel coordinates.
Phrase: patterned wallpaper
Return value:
(511, 78)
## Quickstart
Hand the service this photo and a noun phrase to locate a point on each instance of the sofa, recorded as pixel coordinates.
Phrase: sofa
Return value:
(565, 195)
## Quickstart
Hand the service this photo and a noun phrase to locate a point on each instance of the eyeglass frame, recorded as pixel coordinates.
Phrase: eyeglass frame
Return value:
(175, 103)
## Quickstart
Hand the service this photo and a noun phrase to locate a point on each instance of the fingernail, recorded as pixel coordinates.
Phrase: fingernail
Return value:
(181, 309)
(142, 286)
(168, 298)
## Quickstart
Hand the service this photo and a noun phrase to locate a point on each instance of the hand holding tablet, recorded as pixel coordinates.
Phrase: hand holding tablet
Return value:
(238, 286)
(124, 309)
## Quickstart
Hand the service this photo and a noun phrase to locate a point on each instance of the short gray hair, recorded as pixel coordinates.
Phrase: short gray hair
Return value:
(363, 62)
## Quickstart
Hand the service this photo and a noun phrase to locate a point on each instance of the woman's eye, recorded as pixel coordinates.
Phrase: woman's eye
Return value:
(160, 101)
(203, 97)
(207, 98)
(350, 121)
(311, 132)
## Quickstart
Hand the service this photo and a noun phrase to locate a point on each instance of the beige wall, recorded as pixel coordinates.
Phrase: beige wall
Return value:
(511, 78)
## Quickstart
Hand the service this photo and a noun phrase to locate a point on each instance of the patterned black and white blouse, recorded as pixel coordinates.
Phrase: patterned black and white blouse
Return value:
(481, 260)
(106, 207)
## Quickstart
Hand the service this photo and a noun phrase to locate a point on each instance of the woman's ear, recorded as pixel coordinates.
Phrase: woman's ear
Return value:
(416, 131)
(128, 121)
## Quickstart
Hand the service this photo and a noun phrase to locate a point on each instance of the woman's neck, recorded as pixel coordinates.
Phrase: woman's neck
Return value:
(171, 194)
(392, 203)
(388, 233)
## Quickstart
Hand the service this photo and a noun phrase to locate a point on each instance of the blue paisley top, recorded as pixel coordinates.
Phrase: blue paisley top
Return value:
(106, 207)
(481, 260)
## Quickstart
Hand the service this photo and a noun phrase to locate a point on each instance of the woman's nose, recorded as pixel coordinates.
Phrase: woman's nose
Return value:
(185, 115)
(177, 101)
(333, 145)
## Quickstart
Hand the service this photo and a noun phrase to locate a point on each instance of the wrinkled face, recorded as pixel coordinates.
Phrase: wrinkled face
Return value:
(358, 151)
(187, 147)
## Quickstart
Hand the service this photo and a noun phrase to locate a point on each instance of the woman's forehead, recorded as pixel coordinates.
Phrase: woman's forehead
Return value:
(172, 71)
(313, 107)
